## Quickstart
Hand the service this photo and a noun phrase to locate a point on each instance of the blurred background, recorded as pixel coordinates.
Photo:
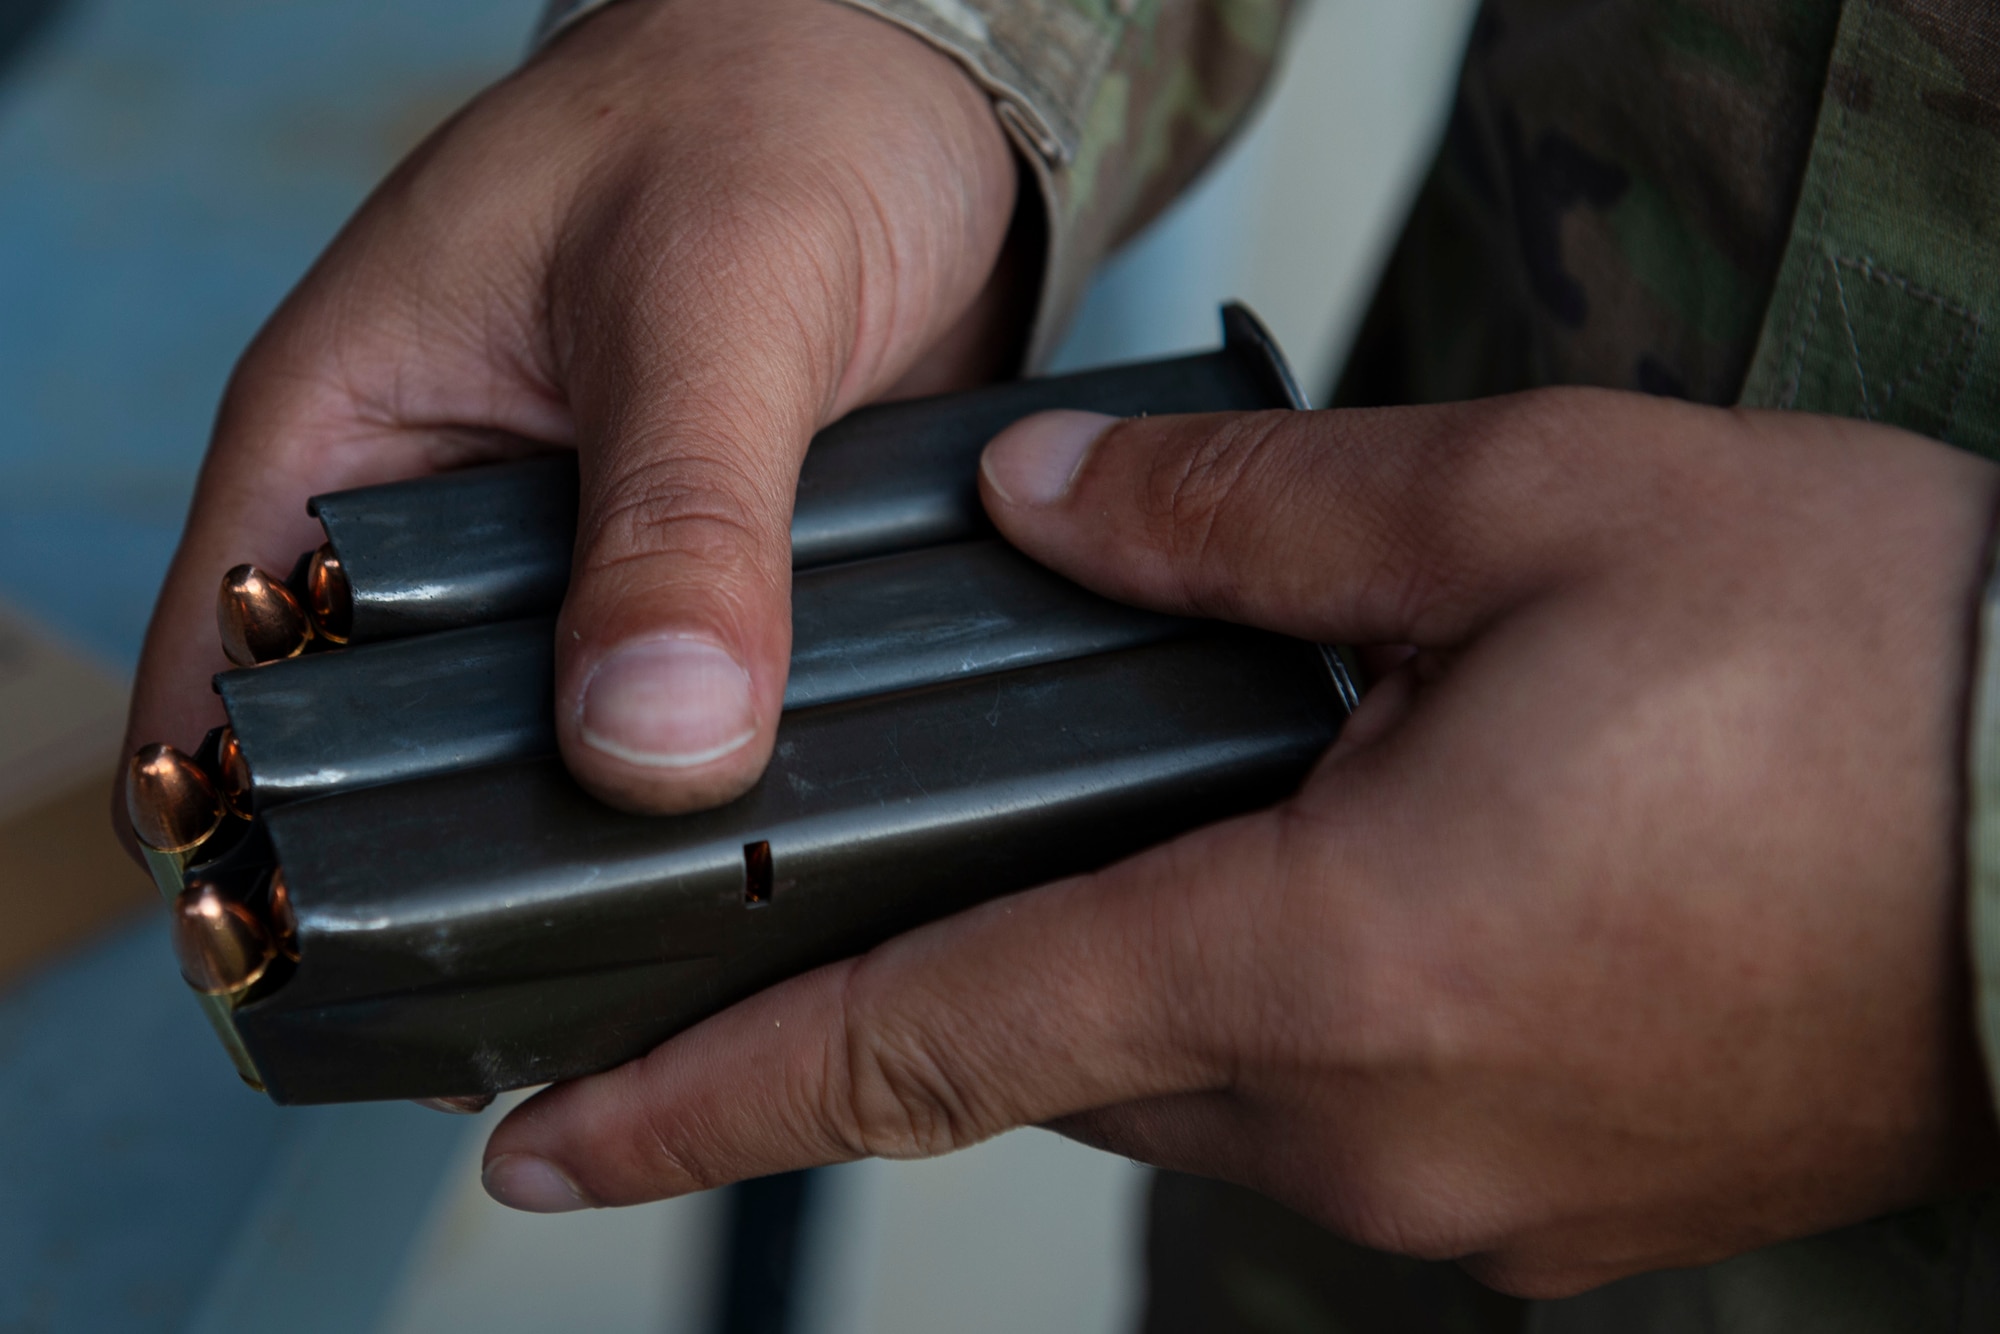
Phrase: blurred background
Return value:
(167, 170)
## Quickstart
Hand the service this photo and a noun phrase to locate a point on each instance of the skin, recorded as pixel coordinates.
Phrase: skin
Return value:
(680, 240)
(1620, 930)
(1622, 927)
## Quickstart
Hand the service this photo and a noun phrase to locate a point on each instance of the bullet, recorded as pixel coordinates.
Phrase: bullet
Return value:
(260, 619)
(172, 804)
(221, 946)
(470, 1104)
(284, 922)
(328, 596)
(235, 774)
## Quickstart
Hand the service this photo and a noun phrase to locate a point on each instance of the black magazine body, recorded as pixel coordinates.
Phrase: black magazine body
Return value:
(453, 916)
(498, 927)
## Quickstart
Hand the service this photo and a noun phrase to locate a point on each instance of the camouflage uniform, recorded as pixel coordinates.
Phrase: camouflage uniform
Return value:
(1781, 203)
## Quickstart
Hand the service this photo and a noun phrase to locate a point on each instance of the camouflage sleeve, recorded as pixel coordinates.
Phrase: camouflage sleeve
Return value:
(1983, 828)
(1115, 105)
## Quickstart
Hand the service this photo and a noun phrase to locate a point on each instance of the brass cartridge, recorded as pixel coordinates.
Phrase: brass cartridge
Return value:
(260, 619)
(221, 945)
(234, 772)
(328, 596)
(455, 916)
(172, 804)
(284, 921)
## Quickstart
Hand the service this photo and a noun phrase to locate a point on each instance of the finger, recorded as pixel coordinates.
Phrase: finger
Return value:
(395, 357)
(708, 329)
(1394, 525)
(1083, 994)
(674, 636)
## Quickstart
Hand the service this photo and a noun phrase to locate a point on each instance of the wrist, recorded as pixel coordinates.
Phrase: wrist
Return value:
(880, 157)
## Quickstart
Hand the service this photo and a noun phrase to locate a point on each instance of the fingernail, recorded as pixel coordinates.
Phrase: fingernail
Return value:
(668, 703)
(535, 1185)
(471, 1104)
(1033, 461)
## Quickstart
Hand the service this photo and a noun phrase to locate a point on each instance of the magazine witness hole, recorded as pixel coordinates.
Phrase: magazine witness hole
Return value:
(757, 873)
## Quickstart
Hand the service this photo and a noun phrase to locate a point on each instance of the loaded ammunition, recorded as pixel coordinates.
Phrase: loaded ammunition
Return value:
(284, 922)
(234, 772)
(327, 596)
(221, 946)
(417, 901)
(405, 708)
(172, 804)
(260, 619)
(493, 543)
(502, 928)
(176, 808)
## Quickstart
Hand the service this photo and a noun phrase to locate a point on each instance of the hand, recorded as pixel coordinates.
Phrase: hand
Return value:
(1620, 930)
(681, 240)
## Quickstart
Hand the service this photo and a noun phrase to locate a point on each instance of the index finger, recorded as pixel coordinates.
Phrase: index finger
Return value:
(1392, 525)
(1087, 993)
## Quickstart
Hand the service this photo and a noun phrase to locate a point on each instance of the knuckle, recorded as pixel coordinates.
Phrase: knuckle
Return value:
(1210, 494)
(620, 1141)
(901, 1097)
(1500, 475)
(1381, 1210)
(1192, 489)
(709, 507)
(1499, 450)
(1568, 448)
(1539, 424)
(754, 268)
(669, 1166)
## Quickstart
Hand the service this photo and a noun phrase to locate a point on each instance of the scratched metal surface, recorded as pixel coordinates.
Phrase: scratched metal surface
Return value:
(167, 169)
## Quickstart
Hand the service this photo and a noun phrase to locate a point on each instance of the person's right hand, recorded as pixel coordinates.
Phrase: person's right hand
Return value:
(681, 240)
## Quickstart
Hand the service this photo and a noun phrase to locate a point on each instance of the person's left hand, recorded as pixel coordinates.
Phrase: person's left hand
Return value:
(1620, 930)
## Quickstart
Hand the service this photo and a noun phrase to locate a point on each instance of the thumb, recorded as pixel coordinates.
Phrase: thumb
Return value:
(1402, 525)
(674, 637)
(1087, 993)
(706, 324)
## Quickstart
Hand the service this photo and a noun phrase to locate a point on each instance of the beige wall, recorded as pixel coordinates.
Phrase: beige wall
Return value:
(62, 875)
(1296, 217)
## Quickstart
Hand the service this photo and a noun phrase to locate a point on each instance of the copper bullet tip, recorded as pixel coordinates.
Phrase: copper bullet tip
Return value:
(260, 619)
(328, 596)
(172, 805)
(284, 921)
(235, 773)
(220, 945)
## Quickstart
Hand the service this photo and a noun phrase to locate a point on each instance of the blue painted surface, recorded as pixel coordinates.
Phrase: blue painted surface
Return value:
(144, 1188)
(167, 169)
(128, 1146)
(329, 1234)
